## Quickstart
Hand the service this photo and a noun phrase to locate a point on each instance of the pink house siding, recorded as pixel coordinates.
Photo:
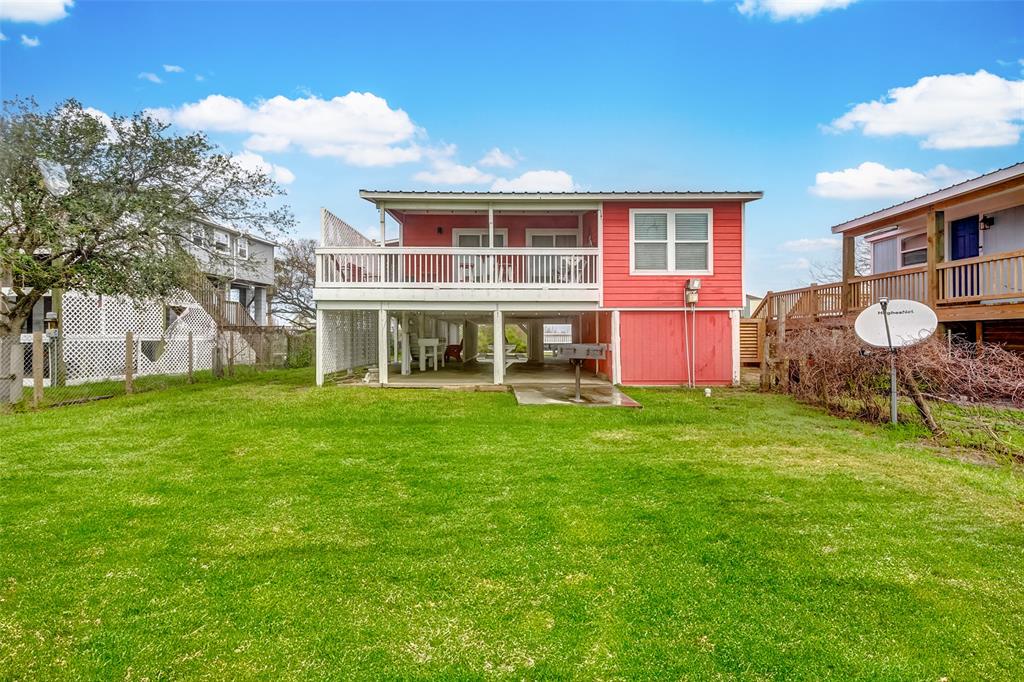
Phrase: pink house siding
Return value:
(654, 349)
(421, 230)
(722, 289)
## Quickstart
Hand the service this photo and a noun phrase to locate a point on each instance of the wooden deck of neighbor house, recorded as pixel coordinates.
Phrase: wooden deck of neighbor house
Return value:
(974, 289)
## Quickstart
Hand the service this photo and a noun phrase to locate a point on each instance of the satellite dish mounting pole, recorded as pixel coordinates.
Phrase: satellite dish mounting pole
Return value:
(893, 397)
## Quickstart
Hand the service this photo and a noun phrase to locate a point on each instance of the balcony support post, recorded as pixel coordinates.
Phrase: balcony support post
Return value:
(383, 226)
(490, 241)
(936, 222)
(382, 346)
(849, 272)
(498, 341)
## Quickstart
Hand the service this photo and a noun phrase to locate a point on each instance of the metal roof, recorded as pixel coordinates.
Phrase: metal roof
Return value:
(944, 194)
(384, 195)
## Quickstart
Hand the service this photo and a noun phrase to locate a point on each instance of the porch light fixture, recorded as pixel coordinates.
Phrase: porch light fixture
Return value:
(693, 285)
(440, 230)
(987, 221)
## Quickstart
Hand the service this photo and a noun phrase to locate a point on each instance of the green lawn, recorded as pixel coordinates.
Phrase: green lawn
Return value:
(262, 528)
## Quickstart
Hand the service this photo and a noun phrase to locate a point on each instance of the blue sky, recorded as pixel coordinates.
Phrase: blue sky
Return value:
(767, 94)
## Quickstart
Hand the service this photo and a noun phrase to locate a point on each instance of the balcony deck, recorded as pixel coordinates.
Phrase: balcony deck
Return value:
(983, 288)
(456, 274)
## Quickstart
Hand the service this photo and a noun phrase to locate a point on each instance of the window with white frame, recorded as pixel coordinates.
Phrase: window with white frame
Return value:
(198, 235)
(221, 242)
(242, 248)
(670, 241)
(913, 250)
(474, 238)
(550, 239)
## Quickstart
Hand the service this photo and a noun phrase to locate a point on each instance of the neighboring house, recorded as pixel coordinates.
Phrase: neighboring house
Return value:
(229, 295)
(959, 249)
(612, 267)
(752, 301)
(245, 268)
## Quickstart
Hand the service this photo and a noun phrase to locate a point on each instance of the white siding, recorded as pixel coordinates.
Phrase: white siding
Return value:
(883, 255)
(1008, 232)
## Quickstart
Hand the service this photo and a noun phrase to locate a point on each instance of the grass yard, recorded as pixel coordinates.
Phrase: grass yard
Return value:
(263, 528)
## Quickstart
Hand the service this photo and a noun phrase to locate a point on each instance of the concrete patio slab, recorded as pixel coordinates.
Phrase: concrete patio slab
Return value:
(563, 394)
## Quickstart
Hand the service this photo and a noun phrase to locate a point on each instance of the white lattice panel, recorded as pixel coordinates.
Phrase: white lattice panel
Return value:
(93, 334)
(349, 339)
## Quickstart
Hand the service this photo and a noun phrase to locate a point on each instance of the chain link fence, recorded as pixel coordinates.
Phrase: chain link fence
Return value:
(108, 347)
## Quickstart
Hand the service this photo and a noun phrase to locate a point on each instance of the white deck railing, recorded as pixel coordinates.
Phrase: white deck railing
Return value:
(428, 267)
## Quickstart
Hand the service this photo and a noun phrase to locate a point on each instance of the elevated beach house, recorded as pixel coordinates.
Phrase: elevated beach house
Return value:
(459, 287)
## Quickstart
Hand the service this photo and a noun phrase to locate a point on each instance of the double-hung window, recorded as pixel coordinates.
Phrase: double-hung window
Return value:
(242, 248)
(913, 250)
(670, 241)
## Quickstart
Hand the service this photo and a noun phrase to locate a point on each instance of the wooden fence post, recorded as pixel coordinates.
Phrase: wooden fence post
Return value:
(231, 354)
(191, 359)
(129, 361)
(766, 374)
(784, 368)
(37, 369)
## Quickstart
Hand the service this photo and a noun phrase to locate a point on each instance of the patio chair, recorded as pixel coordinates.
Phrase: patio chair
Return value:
(453, 352)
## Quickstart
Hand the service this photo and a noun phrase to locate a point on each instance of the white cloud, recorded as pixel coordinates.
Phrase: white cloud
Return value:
(781, 10)
(34, 11)
(173, 68)
(536, 181)
(811, 245)
(447, 172)
(105, 119)
(360, 128)
(151, 77)
(256, 163)
(496, 158)
(798, 264)
(2, 37)
(951, 111)
(200, 78)
(871, 180)
(28, 41)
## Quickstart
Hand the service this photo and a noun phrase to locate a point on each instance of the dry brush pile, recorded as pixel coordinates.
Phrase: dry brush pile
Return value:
(834, 369)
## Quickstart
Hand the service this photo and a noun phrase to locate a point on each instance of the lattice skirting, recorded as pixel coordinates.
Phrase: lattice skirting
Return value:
(349, 339)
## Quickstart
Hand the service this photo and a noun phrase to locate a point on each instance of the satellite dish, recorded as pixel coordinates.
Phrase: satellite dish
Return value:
(896, 323)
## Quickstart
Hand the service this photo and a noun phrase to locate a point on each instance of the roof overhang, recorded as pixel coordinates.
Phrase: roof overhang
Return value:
(1003, 180)
(566, 201)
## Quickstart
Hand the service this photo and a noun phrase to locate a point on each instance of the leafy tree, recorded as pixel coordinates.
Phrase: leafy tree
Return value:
(294, 278)
(103, 204)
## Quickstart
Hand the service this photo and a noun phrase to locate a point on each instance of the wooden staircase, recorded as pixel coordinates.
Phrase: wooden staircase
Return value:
(228, 315)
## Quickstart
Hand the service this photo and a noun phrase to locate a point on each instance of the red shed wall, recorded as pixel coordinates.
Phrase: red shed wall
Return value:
(654, 348)
(722, 289)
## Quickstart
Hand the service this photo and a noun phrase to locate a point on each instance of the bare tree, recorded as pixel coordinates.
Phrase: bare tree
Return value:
(294, 278)
(826, 272)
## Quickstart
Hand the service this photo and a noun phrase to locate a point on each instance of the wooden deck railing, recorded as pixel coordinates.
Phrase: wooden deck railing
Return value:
(911, 283)
(999, 277)
(985, 278)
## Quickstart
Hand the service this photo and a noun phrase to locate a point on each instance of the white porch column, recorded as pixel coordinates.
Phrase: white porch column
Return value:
(499, 347)
(382, 346)
(535, 341)
(600, 255)
(406, 356)
(383, 227)
(616, 350)
(734, 318)
(490, 226)
(320, 331)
